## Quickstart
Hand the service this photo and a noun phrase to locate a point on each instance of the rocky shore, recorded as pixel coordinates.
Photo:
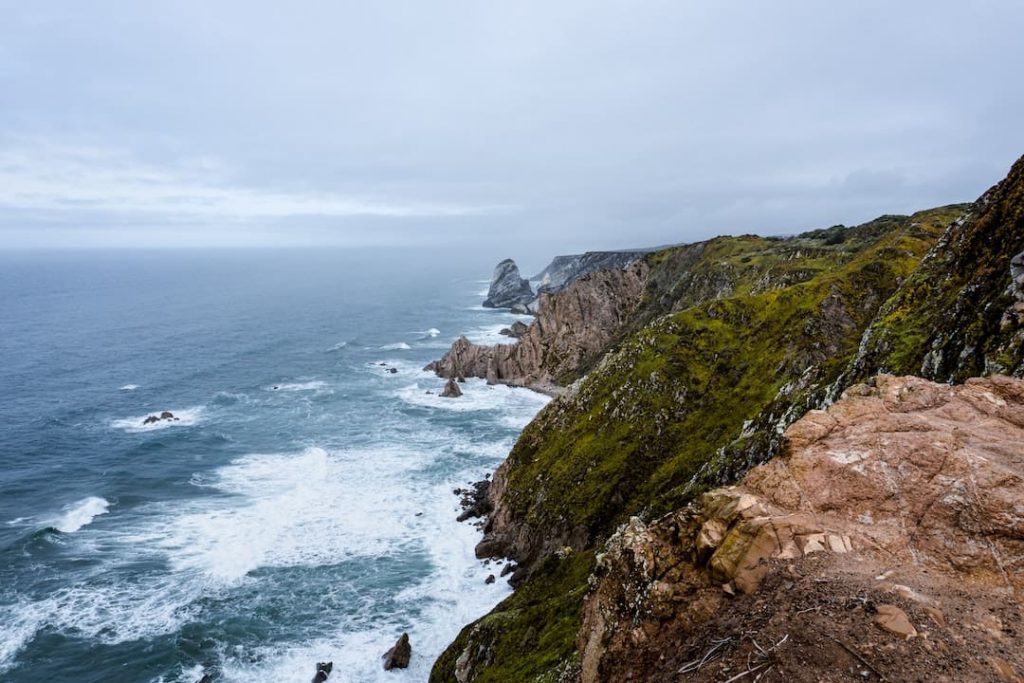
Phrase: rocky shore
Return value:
(733, 484)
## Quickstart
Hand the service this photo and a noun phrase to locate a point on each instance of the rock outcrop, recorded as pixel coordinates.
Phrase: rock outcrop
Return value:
(398, 656)
(571, 330)
(508, 289)
(451, 389)
(961, 314)
(899, 508)
(323, 671)
(165, 416)
(563, 270)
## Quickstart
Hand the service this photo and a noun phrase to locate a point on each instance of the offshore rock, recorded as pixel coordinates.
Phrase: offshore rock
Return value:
(897, 506)
(398, 656)
(451, 389)
(508, 288)
(323, 671)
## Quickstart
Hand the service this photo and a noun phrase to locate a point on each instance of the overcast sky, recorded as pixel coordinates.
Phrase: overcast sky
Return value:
(514, 126)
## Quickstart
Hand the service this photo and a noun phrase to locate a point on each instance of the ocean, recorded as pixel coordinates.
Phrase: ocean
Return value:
(300, 507)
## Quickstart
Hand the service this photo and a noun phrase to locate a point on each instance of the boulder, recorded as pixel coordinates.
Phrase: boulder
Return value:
(167, 415)
(451, 389)
(490, 579)
(515, 330)
(475, 502)
(398, 656)
(150, 420)
(508, 288)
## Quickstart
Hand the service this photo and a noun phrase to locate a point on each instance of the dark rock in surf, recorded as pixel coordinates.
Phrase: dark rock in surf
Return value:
(398, 656)
(167, 415)
(151, 420)
(490, 579)
(323, 670)
(475, 502)
(451, 389)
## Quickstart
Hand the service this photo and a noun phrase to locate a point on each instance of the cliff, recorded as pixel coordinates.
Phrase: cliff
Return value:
(570, 331)
(888, 539)
(564, 270)
(961, 313)
(730, 342)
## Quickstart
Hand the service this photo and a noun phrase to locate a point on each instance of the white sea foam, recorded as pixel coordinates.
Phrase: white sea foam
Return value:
(515, 406)
(186, 418)
(289, 513)
(17, 520)
(338, 347)
(429, 334)
(397, 346)
(489, 335)
(454, 594)
(129, 387)
(81, 514)
(312, 385)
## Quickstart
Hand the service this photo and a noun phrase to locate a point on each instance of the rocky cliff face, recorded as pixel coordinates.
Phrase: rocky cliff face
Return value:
(572, 328)
(888, 539)
(507, 288)
(961, 313)
(732, 341)
(565, 269)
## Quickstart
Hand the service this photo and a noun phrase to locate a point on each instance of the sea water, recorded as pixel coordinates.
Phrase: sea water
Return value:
(299, 509)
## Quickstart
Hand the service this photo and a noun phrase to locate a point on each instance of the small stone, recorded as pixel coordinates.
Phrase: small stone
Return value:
(937, 616)
(490, 579)
(894, 620)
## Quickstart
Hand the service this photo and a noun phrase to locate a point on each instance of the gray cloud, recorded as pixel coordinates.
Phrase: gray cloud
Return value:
(554, 126)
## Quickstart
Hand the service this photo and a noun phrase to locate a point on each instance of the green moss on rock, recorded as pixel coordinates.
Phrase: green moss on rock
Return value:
(530, 636)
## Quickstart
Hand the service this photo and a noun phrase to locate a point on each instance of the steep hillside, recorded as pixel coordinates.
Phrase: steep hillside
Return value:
(730, 342)
(723, 331)
(961, 313)
(773, 324)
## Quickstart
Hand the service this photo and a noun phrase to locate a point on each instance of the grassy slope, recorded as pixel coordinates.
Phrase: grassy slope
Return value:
(733, 330)
(947, 321)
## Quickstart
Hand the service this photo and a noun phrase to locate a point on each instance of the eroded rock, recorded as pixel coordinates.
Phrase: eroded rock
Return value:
(508, 288)
(895, 506)
(398, 656)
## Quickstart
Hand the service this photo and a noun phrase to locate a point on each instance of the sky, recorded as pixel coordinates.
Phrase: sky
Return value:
(515, 128)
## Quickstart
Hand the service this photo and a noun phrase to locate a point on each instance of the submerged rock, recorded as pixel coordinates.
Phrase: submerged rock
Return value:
(153, 419)
(508, 288)
(398, 656)
(451, 389)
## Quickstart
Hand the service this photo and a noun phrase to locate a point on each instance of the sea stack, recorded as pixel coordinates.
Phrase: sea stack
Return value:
(398, 656)
(508, 289)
